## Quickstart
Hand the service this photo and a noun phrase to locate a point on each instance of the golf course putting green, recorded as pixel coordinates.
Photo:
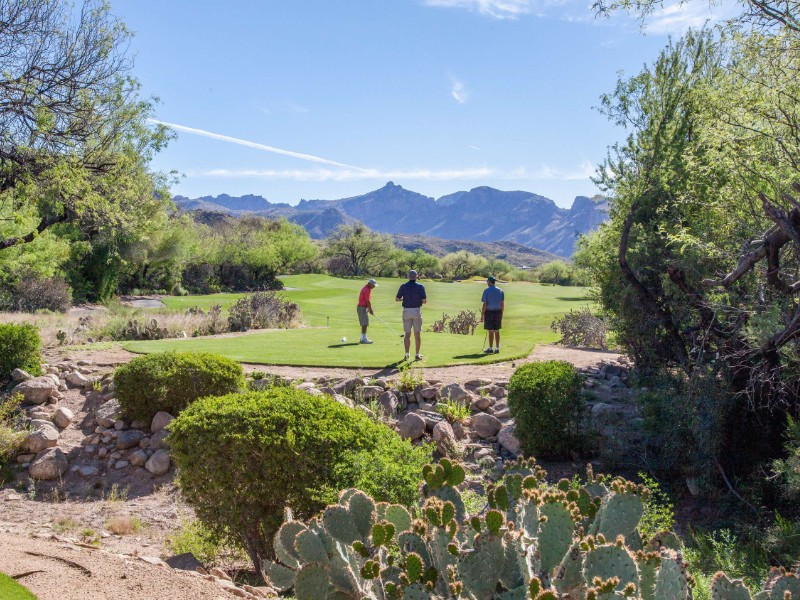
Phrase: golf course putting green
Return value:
(328, 305)
(11, 590)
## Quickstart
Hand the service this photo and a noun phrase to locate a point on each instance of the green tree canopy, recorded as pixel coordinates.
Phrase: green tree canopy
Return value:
(76, 141)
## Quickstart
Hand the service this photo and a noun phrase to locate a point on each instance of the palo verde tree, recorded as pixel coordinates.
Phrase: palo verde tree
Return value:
(698, 267)
(359, 250)
(75, 140)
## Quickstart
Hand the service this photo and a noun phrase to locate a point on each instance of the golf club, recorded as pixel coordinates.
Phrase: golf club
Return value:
(387, 325)
(484, 340)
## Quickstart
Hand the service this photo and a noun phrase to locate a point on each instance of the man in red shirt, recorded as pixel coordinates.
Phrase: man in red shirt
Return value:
(364, 309)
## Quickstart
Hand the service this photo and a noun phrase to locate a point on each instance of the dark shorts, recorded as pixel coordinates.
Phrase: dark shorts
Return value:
(493, 320)
(363, 315)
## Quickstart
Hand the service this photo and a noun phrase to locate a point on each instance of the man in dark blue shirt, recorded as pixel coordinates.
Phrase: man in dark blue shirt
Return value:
(492, 313)
(412, 295)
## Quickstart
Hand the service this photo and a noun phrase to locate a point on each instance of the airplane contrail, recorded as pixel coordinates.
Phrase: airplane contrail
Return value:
(256, 145)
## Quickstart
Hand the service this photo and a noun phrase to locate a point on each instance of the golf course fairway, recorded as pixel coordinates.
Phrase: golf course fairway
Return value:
(328, 305)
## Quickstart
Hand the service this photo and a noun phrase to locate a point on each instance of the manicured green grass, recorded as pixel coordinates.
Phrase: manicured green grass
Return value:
(11, 590)
(329, 311)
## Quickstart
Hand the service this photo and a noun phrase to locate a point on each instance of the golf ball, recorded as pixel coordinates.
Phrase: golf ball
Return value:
(344, 339)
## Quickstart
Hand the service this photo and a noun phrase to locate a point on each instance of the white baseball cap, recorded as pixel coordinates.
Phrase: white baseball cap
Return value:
(373, 282)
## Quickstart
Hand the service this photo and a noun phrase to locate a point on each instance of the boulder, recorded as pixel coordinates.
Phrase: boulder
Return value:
(160, 421)
(454, 392)
(157, 441)
(44, 435)
(49, 464)
(370, 392)
(429, 392)
(347, 386)
(388, 402)
(138, 458)
(129, 439)
(77, 379)
(107, 414)
(343, 400)
(478, 382)
(412, 427)
(36, 390)
(481, 403)
(19, 375)
(63, 417)
(158, 464)
(507, 438)
(485, 425)
(459, 431)
(445, 438)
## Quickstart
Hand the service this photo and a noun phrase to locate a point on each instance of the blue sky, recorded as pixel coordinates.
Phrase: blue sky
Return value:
(295, 99)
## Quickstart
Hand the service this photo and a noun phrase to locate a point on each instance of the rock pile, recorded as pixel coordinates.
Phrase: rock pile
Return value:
(112, 444)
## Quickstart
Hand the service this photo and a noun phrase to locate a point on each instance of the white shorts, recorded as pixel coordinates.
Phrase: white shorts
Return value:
(412, 318)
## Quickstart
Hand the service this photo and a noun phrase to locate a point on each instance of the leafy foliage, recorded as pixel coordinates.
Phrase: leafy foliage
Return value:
(11, 433)
(34, 294)
(356, 250)
(19, 349)
(171, 381)
(581, 328)
(243, 457)
(263, 310)
(545, 401)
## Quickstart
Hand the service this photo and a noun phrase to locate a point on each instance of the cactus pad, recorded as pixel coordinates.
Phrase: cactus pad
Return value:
(609, 561)
(311, 582)
(281, 578)
(555, 535)
(723, 588)
(340, 525)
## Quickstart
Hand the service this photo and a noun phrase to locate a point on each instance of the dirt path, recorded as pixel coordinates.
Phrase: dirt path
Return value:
(582, 358)
(63, 571)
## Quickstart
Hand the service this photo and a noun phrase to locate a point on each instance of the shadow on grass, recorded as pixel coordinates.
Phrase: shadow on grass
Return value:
(476, 355)
(573, 298)
(344, 345)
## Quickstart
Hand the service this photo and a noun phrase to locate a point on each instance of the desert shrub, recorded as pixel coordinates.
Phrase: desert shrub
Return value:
(19, 349)
(581, 328)
(170, 381)
(452, 411)
(146, 330)
(787, 470)
(659, 511)
(242, 458)
(11, 434)
(263, 310)
(33, 294)
(464, 323)
(545, 401)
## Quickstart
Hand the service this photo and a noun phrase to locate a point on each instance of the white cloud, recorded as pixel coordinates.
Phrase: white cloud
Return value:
(458, 91)
(254, 145)
(543, 173)
(500, 9)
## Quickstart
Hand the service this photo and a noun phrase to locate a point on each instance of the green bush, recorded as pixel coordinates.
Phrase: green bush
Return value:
(545, 401)
(242, 458)
(170, 381)
(19, 349)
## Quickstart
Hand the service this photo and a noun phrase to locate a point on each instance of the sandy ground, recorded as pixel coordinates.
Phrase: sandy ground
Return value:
(62, 571)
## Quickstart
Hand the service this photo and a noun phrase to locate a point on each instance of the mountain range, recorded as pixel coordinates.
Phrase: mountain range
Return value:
(482, 214)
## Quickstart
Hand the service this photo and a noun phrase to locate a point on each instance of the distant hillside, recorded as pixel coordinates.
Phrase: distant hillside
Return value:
(482, 214)
(515, 254)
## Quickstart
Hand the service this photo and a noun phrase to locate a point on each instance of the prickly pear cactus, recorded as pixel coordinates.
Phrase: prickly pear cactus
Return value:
(533, 540)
